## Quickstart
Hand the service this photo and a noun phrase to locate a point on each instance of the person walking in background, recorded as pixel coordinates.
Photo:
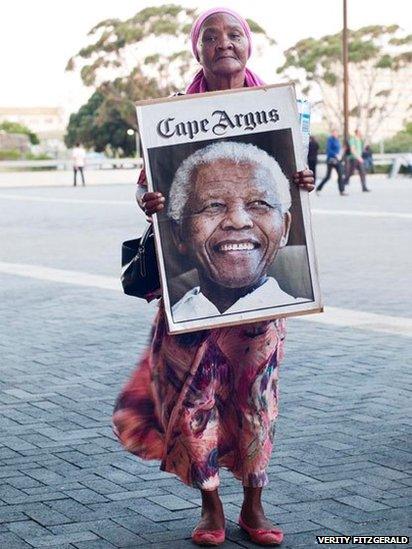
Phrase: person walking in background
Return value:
(78, 157)
(333, 149)
(368, 159)
(355, 160)
(313, 155)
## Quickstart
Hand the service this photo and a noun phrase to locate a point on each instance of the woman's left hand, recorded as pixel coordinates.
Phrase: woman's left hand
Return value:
(304, 179)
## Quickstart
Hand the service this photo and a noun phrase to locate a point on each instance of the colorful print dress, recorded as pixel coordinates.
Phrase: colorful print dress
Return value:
(205, 400)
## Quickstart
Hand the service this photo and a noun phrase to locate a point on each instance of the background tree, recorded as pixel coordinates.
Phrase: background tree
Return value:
(376, 56)
(145, 56)
(15, 127)
(401, 141)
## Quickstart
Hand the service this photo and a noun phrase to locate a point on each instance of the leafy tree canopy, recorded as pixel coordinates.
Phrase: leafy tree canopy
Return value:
(116, 46)
(14, 127)
(401, 141)
(377, 53)
(99, 125)
(145, 56)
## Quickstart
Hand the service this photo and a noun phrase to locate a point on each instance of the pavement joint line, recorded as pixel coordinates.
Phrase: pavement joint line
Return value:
(338, 316)
(362, 213)
(34, 198)
(76, 278)
(332, 316)
(28, 198)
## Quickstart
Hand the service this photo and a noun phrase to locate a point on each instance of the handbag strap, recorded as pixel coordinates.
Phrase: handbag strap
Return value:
(146, 235)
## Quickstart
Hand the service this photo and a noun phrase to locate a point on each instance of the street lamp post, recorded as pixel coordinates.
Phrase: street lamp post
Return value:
(131, 131)
(345, 73)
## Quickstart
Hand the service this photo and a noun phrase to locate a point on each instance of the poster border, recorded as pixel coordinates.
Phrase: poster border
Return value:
(299, 309)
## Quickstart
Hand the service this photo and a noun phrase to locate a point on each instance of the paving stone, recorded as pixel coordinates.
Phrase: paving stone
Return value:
(46, 476)
(46, 516)
(28, 529)
(8, 514)
(54, 541)
(70, 508)
(11, 541)
(102, 486)
(173, 503)
(116, 534)
(362, 503)
(155, 512)
(306, 539)
(86, 496)
(342, 446)
(95, 544)
(141, 525)
(177, 544)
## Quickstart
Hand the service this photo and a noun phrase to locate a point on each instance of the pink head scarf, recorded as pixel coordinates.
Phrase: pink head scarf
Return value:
(199, 84)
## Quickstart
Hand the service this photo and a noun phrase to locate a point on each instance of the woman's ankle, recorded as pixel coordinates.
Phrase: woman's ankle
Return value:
(211, 499)
(212, 508)
(252, 511)
(210, 528)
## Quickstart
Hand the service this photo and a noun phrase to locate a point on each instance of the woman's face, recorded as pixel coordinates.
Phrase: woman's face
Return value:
(222, 46)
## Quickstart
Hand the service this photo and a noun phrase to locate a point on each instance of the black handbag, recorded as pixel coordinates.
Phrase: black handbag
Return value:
(140, 274)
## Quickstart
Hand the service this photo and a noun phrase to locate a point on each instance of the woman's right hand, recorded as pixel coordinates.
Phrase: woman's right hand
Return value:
(152, 203)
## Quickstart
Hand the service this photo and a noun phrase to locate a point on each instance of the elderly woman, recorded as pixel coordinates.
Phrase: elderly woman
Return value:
(209, 399)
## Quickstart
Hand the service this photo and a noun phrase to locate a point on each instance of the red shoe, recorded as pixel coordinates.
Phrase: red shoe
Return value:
(262, 537)
(208, 537)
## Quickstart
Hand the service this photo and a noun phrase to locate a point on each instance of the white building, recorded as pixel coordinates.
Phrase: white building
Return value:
(47, 122)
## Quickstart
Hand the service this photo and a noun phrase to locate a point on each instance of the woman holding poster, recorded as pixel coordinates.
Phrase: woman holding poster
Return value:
(209, 399)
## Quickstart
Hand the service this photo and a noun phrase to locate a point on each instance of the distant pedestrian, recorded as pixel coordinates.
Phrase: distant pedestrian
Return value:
(333, 161)
(355, 160)
(313, 155)
(78, 157)
(367, 156)
(405, 161)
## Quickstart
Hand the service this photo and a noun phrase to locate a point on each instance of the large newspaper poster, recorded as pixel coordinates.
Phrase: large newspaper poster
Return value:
(234, 241)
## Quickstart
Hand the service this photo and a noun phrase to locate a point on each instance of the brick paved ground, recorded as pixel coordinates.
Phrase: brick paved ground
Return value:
(341, 458)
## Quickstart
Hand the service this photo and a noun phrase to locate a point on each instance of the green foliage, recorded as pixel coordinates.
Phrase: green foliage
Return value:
(318, 55)
(385, 62)
(15, 154)
(318, 63)
(87, 127)
(40, 156)
(401, 41)
(257, 29)
(321, 138)
(105, 63)
(15, 127)
(400, 142)
(113, 38)
(10, 154)
(102, 123)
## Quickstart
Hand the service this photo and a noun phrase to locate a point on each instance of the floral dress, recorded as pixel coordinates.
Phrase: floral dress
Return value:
(205, 400)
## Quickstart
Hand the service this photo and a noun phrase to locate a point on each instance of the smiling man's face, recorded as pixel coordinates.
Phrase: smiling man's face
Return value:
(232, 226)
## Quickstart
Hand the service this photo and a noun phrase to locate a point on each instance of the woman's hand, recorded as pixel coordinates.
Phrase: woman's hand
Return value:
(152, 203)
(304, 179)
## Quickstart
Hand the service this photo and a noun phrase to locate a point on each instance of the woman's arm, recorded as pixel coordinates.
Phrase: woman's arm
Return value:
(140, 191)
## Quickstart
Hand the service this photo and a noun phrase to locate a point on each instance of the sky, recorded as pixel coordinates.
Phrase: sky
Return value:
(38, 37)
